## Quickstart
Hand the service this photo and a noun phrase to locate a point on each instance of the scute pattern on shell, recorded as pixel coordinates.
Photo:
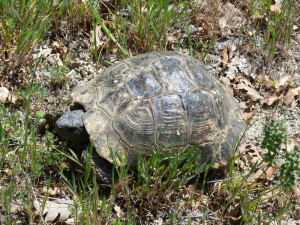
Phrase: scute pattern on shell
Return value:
(159, 98)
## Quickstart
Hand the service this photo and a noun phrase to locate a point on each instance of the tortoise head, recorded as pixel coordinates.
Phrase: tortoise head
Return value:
(70, 126)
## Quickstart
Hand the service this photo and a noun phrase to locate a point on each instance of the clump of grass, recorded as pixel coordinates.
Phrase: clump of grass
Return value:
(139, 193)
(144, 25)
(156, 180)
(23, 24)
(271, 28)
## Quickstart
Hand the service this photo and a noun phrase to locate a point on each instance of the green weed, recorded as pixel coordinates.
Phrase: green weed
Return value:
(272, 28)
(143, 25)
(58, 74)
(239, 188)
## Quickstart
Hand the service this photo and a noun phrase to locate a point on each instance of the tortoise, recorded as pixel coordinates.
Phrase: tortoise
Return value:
(153, 99)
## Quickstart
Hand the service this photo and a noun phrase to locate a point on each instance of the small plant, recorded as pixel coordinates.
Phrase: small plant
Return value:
(58, 74)
(275, 135)
(250, 204)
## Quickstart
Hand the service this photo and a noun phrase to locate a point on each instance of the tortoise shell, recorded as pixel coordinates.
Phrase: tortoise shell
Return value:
(159, 98)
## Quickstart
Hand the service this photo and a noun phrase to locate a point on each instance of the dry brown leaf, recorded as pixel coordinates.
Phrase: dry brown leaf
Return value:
(230, 17)
(54, 211)
(225, 57)
(6, 97)
(119, 211)
(250, 92)
(264, 80)
(271, 99)
(51, 191)
(237, 65)
(245, 81)
(296, 193)
(270, 172)
(248, 114)
(4, 93)
(276, 7)
(58, 46)
(258, 173)
(283, 82)
(290, 95)
(97, 37)
(248, 156)
(189, 191)
(226, 82)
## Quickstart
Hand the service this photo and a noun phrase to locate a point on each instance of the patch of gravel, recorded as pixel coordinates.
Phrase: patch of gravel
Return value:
(255, 132)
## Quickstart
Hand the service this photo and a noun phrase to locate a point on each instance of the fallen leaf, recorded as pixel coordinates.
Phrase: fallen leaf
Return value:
(238, 64)
(271, 99)
(189, 191)
(54, 211)
(250, 92)
(283, 81)
(276, 7)
(270, 172)
(233, 68)
(248, 114)
(225, 57)
(248, 156)
(6, 97)
(230, 17)
(119, 211)
(258, 173)
(290, 95)
(296, 193)
(51, 191)
(264, 80)
(56, 45)
(97, 37)
(226, 82)
(59, 47)
(4, 93)
(245, 81)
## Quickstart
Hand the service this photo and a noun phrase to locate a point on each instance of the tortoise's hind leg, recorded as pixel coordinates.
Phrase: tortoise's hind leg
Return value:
(102, 168)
